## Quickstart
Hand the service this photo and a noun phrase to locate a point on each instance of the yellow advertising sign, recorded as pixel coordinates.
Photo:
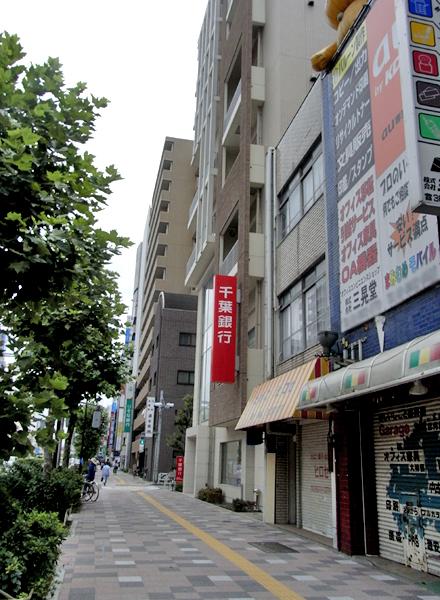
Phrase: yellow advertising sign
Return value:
(349, 55)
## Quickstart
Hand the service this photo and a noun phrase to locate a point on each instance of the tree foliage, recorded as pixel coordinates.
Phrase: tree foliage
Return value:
(60, 305)
(182, 421)
(87, 439)
(49, 189)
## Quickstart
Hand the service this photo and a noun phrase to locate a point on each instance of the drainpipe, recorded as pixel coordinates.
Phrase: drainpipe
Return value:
(269, 247)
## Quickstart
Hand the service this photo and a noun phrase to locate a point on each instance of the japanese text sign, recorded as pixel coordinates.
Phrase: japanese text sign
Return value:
(179, 468)
(224, 330)
(149, 417)
(128, 415)
(419, 22)
(387, 252)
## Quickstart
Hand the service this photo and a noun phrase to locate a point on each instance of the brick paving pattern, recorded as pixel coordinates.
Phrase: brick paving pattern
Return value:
(121, 547)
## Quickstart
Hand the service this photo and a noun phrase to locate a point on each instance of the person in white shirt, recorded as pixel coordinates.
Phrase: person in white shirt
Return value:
(105, 473)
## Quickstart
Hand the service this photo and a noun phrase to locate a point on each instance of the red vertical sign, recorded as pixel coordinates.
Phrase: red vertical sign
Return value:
(225, 325)
(179, 468)
(385, 87)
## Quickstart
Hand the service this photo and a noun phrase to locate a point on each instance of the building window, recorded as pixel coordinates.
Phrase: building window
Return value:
(205, 377)
(303, 191)
(160, 273)
(231, 463)
(304, 312)
(187, 339)
(167, 165)
(185, 377)
(165, 185)
(168, 146)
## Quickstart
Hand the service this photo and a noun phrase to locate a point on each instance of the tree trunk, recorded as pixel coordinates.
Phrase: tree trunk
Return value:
(57, 447)
(48, 455)
(70, 430)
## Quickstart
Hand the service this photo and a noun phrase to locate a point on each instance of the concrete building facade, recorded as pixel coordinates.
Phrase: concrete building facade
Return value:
(263, 75)
(166, 245)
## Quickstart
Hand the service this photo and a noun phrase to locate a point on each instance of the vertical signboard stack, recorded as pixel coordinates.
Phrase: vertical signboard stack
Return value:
(387, 252)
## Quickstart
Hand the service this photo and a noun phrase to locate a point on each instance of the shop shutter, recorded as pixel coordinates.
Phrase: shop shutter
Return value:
(407, 457)
(315, 484)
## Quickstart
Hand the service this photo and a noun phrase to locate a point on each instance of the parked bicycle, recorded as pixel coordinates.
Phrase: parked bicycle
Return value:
(90, 491)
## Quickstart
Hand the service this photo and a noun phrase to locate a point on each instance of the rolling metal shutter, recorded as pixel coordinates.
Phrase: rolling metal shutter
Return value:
(316, 496)
(407, 457)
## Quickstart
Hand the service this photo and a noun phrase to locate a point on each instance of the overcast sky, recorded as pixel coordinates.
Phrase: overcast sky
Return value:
(142, 56)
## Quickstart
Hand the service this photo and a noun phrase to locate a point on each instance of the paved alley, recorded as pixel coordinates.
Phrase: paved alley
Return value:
(140, 542)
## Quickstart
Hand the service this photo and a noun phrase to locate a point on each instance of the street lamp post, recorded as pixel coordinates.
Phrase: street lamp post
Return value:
(161, 405)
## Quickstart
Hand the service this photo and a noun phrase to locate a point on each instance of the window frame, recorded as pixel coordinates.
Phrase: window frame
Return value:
(298, 293)
(192, 337)
(182, 374)
(225, 469)
(294, 193)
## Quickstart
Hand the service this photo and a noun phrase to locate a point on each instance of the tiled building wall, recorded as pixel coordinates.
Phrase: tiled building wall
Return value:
(302, 247)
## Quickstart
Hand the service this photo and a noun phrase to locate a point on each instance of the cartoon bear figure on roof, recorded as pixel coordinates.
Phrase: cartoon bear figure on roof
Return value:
(341, 15)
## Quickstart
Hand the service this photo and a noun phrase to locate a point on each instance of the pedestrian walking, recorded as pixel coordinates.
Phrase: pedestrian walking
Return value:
(105, 473)
(91, 469)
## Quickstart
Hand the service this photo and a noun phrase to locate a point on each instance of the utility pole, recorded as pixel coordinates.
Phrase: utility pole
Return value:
(161, 405)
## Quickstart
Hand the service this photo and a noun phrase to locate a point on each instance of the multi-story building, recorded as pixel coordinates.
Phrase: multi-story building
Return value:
(172, 372)
(384, 301)
(298, 487)
(261, 51)
(166, 246)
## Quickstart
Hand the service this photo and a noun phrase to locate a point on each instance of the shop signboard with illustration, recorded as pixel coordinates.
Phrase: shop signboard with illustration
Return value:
(387, 252)
(408, 484)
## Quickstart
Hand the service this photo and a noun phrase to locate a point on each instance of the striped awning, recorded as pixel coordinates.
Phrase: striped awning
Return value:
(416, 359)
(278, 398)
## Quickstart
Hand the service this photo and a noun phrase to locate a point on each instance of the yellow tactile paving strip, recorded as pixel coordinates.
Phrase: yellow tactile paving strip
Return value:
(278, 589)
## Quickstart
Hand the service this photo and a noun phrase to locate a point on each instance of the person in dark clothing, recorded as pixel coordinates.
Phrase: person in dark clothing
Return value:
(91, 470)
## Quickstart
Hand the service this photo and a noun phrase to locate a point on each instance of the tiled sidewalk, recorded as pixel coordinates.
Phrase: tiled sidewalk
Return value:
(122, 547)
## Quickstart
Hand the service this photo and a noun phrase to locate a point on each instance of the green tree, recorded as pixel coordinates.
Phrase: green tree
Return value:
(183, 420)
(59, 304)
(50, 191)
(87, 439)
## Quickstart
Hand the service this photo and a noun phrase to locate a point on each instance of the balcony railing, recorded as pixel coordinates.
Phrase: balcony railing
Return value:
(191, 261)
(193, 208)
(236, 98)
(230, 260)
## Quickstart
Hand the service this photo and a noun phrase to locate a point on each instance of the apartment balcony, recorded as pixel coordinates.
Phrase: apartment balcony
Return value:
(258, 11)
(141, 400)
(144, 373)
(256, 255)
(192, 215)
(229, 264)
(255, 368)
(231, 123)
(135, 446)
(139, 423)
(257, 167)
(199, 261)
(258, 85)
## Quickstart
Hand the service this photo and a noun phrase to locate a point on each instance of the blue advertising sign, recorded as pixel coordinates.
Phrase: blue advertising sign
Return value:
(421, 8)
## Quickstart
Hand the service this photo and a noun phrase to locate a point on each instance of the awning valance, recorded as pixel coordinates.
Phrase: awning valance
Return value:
(403, 364)
(277, 398)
